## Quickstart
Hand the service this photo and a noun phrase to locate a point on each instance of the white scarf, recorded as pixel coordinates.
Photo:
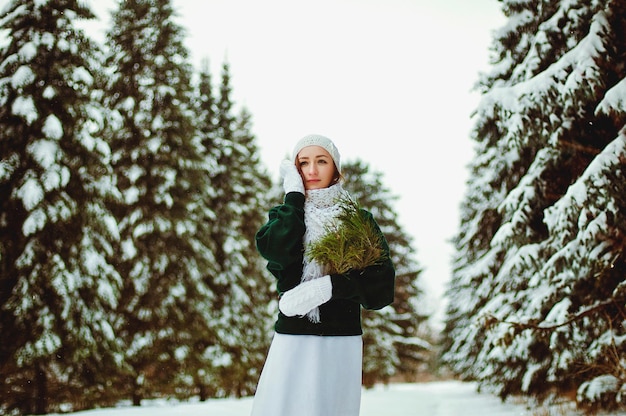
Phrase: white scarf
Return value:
(321, 208)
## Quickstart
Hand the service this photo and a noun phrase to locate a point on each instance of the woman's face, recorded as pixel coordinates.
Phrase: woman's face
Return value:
(316, 167)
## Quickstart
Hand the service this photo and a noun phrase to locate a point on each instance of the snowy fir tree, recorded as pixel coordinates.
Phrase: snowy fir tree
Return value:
(396, 339)
(201, 360)
(166, 314)
(243, 285)
(537, 297)
(58, 289)
(251, 295)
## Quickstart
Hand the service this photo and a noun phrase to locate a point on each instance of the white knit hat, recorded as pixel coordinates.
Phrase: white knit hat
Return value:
(321, 141)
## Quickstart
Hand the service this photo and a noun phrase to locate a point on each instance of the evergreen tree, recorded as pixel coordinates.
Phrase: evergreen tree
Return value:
(57, 289)
(396, 339)
(536, 298)
(239, 184)
(202, 361)
(251, 313)
(166, 253)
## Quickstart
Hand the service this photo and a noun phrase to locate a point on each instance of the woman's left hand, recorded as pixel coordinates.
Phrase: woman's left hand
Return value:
(306, 296)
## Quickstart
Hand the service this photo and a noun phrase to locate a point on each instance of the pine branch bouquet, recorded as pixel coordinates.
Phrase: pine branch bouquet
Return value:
(352, 243)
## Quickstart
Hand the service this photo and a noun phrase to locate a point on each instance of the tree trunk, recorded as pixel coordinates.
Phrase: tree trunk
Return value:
(203, 391)
(136, 398)
(41, 390)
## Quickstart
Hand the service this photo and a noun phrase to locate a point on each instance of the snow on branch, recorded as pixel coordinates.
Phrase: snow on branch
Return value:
(575, 73)
(489, 320)
(578, 194)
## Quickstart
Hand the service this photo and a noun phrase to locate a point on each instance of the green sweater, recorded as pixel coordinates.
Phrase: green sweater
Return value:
(279, 241)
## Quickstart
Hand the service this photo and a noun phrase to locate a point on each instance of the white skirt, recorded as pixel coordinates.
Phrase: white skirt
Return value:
(310, 375)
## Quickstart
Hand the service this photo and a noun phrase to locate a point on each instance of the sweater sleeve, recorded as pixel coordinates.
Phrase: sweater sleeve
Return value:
(372, 287)
(279, 241)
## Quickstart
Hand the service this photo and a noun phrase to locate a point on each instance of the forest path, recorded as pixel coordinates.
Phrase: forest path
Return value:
(445, 398)
(440, 398)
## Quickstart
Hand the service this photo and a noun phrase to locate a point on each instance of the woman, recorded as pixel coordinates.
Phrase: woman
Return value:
(314, 364)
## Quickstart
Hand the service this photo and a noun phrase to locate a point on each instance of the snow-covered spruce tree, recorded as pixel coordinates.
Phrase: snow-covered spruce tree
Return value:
(250, 313)
(57, 289)
(239, 280)
(396, 339)
(239, 185)
(537, 299)
(166, 252)
(198, 372)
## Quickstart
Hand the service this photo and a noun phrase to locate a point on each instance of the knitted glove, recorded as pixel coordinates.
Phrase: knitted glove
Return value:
(292, 181)
(306, 296)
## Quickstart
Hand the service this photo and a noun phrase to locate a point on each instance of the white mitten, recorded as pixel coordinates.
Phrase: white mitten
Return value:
(306, 296)
(292, 181)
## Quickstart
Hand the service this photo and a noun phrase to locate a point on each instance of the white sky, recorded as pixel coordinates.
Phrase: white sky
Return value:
(387, 80)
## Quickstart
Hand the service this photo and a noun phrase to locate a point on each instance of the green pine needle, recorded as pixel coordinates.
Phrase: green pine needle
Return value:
(354, 243)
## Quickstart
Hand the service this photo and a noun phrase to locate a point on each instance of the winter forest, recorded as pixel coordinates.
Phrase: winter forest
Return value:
(131, 190)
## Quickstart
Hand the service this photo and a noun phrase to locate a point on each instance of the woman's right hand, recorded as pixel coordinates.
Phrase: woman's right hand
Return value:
(292, 181)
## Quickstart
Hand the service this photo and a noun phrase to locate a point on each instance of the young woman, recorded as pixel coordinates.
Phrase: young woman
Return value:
(314, 364)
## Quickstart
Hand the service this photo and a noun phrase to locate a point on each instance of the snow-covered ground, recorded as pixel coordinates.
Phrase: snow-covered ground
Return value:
(446, 398)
